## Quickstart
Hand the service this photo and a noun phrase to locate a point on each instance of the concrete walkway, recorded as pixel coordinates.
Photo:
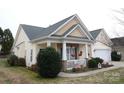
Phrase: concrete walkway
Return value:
(116, 65)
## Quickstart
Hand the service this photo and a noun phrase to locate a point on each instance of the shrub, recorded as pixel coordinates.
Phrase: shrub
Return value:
(21, 62)
(92, 63)
(48, 62)
(12, 60)
(115, 56)
(33, 67)
(107, 65)
(98, 60)
(76, 69)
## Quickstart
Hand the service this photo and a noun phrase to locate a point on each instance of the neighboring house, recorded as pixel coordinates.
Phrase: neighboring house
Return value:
(102, 45)
(118, 45)
(69, 37)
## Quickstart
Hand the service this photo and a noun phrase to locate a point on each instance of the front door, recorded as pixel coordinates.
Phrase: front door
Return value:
(71, 53)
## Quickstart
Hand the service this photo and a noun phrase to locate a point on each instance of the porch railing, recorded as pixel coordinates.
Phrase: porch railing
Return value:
(74, 63)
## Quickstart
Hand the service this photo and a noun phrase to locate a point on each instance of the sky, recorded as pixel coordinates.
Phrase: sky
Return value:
(95, 14)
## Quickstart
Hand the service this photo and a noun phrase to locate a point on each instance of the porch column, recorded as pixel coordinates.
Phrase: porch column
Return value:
(64, 56)
(86, 51)
(92, 50)
(34, 54)
(48, 43)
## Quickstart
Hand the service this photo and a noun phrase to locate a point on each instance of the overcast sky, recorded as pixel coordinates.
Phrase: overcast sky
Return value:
(94, 13)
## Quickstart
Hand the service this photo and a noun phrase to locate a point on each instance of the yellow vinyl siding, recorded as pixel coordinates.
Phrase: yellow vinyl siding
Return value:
(77, 33)
(67, 26)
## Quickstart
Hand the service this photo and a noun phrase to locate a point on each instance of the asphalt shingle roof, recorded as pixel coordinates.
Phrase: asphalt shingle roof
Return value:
(34, 32)
(95, 33)
(118, 41)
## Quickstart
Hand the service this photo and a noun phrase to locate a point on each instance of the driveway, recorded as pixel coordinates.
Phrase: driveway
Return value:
(116, 65)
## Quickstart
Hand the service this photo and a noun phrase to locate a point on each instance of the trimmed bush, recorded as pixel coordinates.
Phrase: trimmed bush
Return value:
(98, 60)
(92, 63)
(48, 62)
(21, 62)
(106, 65)
(33, 68)
(76, 69)
(115, 56)
(12, 60)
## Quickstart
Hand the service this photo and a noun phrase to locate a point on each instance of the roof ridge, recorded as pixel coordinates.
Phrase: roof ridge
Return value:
(31, 25)
(118, 37)
(73, 26)
(95, 33)
(97, 29)
(35, 32)
(62, 20)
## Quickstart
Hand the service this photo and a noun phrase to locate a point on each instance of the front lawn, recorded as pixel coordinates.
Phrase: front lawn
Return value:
(22, 75)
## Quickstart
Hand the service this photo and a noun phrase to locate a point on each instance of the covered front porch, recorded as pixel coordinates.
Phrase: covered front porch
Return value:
(72, 53)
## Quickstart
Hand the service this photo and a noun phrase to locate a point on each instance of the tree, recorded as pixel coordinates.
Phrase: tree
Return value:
(49, 63)
(7, 41)
(115, 56)
(1, 36)
(119, 17)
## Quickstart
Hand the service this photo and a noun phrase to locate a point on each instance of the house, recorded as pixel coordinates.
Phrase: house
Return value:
(102, 44)
(118, 45)
(70, 37)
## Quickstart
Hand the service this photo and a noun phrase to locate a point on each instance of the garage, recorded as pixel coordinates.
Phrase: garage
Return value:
(105, 54)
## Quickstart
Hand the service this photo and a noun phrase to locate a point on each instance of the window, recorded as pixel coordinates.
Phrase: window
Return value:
(31, 56)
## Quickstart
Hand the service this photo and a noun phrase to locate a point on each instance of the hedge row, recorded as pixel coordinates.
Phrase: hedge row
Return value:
(13, 60)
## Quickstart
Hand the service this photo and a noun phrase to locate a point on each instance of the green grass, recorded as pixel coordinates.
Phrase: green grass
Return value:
(21, 75)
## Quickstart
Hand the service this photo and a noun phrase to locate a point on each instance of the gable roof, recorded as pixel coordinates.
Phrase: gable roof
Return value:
(73, 28)
(95, 33)
(118, 41)
(34, 32)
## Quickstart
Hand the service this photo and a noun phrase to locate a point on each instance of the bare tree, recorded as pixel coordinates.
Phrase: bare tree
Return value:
(120, 19)
(119, 16)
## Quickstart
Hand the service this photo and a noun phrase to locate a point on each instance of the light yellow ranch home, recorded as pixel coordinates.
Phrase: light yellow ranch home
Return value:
(69, 37)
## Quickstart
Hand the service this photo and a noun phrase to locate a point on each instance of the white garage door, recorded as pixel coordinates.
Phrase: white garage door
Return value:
(105, 54)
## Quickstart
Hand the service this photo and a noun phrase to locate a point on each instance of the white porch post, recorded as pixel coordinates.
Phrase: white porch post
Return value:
(34, 54)
(64, 56)
(92, 50)
(86, 51)
(48, 43)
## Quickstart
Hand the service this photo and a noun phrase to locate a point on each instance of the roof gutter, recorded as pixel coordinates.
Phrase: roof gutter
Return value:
(74, 39)
(60, 38)
(41, 38)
